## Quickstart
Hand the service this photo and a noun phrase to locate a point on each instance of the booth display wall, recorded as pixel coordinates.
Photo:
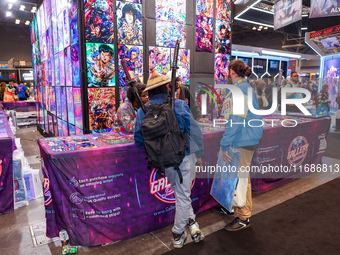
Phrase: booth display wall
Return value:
(74, 96)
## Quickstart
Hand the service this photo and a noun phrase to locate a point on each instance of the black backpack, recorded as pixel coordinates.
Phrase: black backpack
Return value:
(163, 140)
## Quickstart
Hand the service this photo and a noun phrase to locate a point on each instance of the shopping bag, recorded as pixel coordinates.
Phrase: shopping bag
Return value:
(8, 97)
(225, 179)
(323, 110)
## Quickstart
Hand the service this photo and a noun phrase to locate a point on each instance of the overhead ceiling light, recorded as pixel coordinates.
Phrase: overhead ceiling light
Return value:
(281, 54)
(10, 6)
(11, 1)
(259, 29)
(261, 26)
(17, 21)
(304, 28)
(265, 28)
(34, 10)
(254, 22)
(22, 7)
(8, 13)
(304, 15)
(27, 22)
(240, 52)
(254, 28)
(262, 10)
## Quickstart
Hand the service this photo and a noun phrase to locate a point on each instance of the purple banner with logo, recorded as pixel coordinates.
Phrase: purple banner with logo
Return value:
(23, 106)
(104, 193)
(6, 167)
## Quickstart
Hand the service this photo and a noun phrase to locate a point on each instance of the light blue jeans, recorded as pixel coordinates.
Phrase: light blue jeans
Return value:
(182, 192)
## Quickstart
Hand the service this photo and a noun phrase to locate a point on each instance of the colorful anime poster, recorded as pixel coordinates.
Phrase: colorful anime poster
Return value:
(167, 33)
(222, 37)
(70, 105)
(50, 124)
(43, 48)
(204, 34)
(205, 8)
(159, 59)
(99, 25)
(60, 27)
(51, 71)
(52, 100)
(129, 22)
(68, 66)
(77, 107)
(223, 10)
(74, 26)
(171, 11)
(55, 32)
(58, 101)
(63, 103)
(133, 57)
(102, 107)
(221, 68)
(56, 71)
(183, 71)
(122, 94)
(64, 127)
(60, 128)
(331, 74)
(61, 68)
(79, 131)
(71, 129)
(324, 8)
(75, 65)
(100, 65)
(47, 6)
(66, 27)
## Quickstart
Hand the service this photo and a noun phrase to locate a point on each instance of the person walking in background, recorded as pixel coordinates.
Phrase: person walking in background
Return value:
(323, 97)
(22, 92)
(293, 83)
(3, 87)
(260, 93)
(245, 138)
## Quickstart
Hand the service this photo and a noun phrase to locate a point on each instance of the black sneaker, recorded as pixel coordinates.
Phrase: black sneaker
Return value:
(220, 209)
(237, 224)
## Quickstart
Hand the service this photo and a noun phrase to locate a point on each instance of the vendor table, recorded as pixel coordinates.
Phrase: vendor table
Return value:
(7, 146)
(20, 106)
(99, 189)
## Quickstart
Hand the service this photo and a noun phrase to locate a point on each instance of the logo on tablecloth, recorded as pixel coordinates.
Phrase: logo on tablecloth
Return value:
(76, 198)
(46, 184)
(297, 151)
(160, 187)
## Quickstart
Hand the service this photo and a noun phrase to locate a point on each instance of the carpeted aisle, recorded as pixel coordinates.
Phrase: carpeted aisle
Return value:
(306, 224)
(333, 142)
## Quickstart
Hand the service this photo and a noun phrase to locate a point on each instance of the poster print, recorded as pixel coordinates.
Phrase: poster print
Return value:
(63, 103)
(75, 65)
(99, 25)
(324, 8)
(74, 26)
(223, 10)
(287, 12)
(171, 11)
(159, 59)
(56, 71)
(204, 34)
(133, 57)
(167, 33)
(70, 105)
(66, 27)
(129, 22)
(68, 66)
(60, 27)
(78, 115)
(221, 68)
(100, 64)
(205, 8)
(183, 71)
(222, 37)
(62, 68)
(102, 108)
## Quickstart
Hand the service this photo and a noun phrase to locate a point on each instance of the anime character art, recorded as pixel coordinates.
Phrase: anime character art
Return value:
(171, 11)
(221, 68)
(167, 33)
(321, 8)
(101, 108)
(129, 20)
(159, 59)
(100, 64)
(222, 37)
(204, 34)
(287, 12)
(133, 57)
(183, 71)
(75, 65)
(99, 21)
(205, 8)
(223, 9)
(332, 74)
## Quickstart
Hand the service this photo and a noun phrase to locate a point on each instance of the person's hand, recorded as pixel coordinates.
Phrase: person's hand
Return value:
(226, 157)
(199, 162)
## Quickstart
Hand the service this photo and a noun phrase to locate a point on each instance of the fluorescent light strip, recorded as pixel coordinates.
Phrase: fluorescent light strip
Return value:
(254, 22)
(281, 54)
(313, 48)
(244, 52)
(246, 9)
(304, 15)
(261, 10)
(304, 28)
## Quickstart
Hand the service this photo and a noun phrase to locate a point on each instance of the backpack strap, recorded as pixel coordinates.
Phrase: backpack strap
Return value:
(179, 174)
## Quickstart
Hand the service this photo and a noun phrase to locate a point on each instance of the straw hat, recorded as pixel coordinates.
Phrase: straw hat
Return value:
(156, 80)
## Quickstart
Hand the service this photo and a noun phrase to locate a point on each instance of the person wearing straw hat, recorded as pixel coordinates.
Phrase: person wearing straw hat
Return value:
(158, 89)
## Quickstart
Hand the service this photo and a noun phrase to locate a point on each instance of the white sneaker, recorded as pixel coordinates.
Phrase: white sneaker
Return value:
(179, 239)
(195, 231)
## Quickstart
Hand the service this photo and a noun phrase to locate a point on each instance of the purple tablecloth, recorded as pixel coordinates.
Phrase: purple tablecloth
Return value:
(20, 106)
(105, 194)
(7, 145)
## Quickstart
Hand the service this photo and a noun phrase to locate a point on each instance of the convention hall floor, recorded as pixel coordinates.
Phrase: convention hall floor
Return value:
(16, 237)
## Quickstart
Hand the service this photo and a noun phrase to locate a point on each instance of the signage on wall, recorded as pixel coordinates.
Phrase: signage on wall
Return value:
(324, 32)
(4, 65)
(26, 75)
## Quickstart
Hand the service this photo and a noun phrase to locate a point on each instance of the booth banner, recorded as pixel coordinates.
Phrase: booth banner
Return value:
(324, 8)
(102, 195)
(287, 12)
(7, 146)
